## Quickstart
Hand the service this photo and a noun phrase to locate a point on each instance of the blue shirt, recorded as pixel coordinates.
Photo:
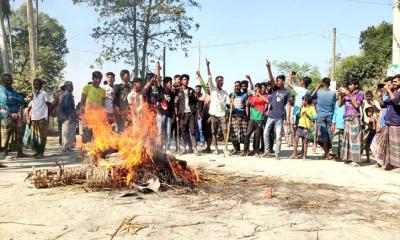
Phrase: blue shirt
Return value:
(338, 116)
(298, 100)
(384, 110)
(10, 105)
(326, 102)
(239, 103)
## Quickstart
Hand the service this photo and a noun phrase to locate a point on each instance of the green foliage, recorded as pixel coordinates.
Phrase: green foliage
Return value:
(369, 66)
(134, 31)
(302, 70)
(52, 49)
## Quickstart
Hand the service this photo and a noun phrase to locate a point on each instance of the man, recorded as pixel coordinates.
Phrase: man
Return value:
(68, 117)
(218, 101)
(276, 112)
(245, 86)
(387, 147)
(255, 107)
(108, 86)
(326, 100)
(166, 108)
(92, 96)
(351, 99)
(199, 116)
(40, 122)
(239, 117)
(174, 126)
(136, 97)
(185, 112)
(57, 97)
(10, 103)
(121, 106)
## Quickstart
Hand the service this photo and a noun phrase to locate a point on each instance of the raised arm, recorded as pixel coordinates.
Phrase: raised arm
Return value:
(210, 81)
(271, 77)
(291, 75)
(158, 75)
(250, 81)
(317, 87)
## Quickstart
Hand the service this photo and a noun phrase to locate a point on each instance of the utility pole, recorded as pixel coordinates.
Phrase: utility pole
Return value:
(32, 38)
(164, 52)
(396, 33)
(333, 77)
(3, 43)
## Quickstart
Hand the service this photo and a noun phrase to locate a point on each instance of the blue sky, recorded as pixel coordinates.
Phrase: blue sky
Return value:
(284, 30)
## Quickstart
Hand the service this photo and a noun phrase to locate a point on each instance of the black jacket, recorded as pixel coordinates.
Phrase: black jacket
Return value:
(180, 101)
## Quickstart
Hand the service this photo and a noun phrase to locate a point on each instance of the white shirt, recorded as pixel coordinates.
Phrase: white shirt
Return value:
(39, 106)
(108, 104)
(136, 99)
(219, 98)
(187, 107)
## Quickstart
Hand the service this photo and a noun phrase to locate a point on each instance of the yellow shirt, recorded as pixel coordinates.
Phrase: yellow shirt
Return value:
(94, 95)
(304, 120)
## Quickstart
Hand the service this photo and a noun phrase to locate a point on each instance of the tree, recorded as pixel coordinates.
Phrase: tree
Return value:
(134, 30)
(5, 11)
(52, 49)
(368, 66)
(302, 70)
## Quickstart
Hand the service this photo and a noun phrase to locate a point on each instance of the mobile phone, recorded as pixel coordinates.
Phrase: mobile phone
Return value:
(381, 85)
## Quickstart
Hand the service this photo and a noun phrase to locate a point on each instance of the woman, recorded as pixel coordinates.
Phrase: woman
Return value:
(351, 99)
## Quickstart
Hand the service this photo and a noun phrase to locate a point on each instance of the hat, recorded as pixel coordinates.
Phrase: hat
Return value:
(67, 83)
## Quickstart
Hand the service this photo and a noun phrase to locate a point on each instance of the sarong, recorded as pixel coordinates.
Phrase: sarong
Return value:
(68, 134)
(337, 141)
(386, 146)
(351, 149)
(238, 129)
(39, 135)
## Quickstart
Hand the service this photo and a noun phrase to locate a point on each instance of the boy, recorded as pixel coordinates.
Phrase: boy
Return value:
(307, 114)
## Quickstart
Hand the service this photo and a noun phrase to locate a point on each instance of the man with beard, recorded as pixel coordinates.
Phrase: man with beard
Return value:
(239, 118)
(219, 99)
(387, 147)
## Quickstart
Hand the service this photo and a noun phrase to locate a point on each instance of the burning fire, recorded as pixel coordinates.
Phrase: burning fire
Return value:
(136, 145)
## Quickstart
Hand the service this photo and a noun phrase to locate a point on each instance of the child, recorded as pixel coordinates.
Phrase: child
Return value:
(289, 127)
(307, 114)
(338, 131)
(370, 131)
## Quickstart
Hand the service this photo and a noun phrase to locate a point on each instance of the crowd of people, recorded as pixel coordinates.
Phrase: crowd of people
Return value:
(346, 123)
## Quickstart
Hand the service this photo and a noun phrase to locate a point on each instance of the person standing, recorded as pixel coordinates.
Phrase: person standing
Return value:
(68, 117)
(40, 122)
(120, 102)
(199, 116)
(57, 97)
(185, 111)
(276, 113)
(387, 150)
(108, 86)
(218, 101)
(166, 108)
(239, 117)
(10, 104)
(352, 99)
(337, 130)
(255, 106)
(92, 96)
(326, 100)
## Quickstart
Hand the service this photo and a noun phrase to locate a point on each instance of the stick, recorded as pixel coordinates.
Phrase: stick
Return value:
(229, 121)
(178, 145)
(202, 83)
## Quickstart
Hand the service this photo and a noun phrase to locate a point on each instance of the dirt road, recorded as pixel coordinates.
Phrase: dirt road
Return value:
(312, 199)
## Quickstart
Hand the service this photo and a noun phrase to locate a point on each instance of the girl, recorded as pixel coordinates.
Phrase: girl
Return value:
(307, 115)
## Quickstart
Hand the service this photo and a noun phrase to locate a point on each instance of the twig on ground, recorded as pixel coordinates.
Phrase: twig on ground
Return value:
(185, 225)
(62, 234)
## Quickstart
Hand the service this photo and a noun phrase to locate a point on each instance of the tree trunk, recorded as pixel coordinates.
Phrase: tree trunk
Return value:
(3, 42)
(32, 38)
(11, 44)
(135, 40)
(146, 31)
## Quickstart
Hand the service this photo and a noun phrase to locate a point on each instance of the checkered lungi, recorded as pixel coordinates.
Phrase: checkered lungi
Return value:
(238, 129)
(386, 146)
(351, 149)
(337, 141)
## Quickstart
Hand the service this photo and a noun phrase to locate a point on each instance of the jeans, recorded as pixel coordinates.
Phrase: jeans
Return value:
(199, 131)
(256, 127)
(164, 130)
(324, 125)
(271, 124)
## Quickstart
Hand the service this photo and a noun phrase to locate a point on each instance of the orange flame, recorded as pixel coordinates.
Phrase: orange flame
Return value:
(135, 145)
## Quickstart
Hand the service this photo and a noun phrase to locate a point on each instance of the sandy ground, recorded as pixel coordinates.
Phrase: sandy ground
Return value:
(312, 199)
